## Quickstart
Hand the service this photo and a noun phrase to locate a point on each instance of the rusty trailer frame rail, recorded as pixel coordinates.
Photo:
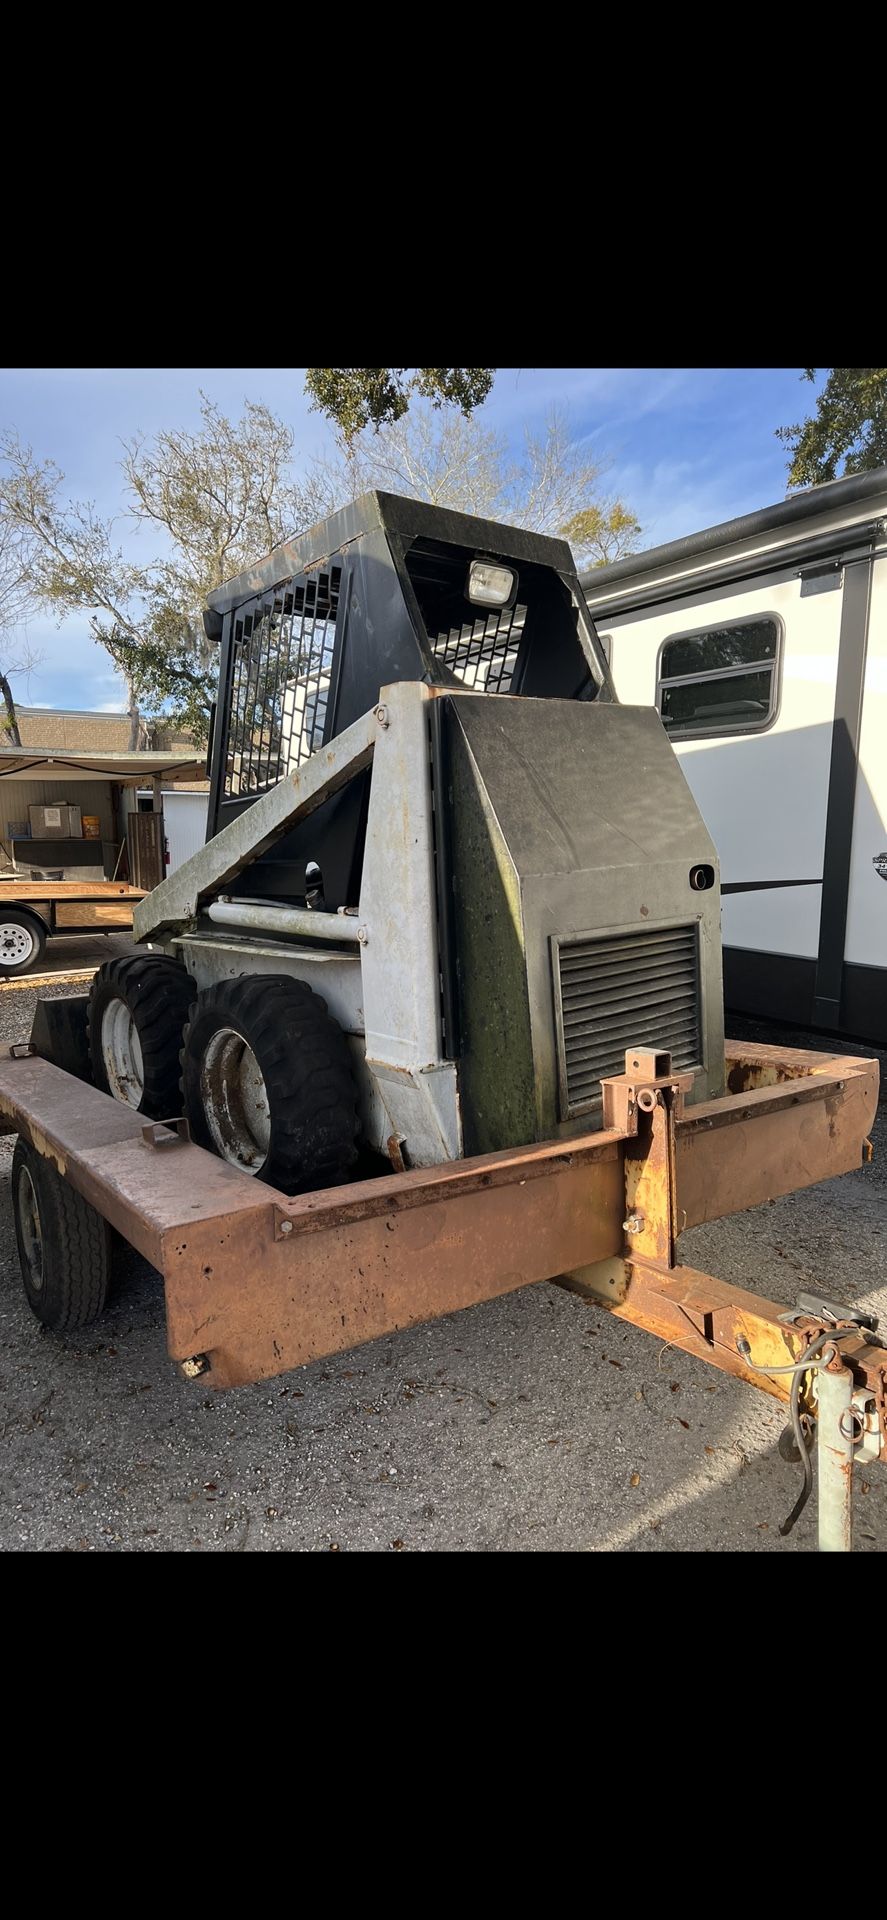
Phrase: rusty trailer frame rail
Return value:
(257, 1282)
(261, 1282)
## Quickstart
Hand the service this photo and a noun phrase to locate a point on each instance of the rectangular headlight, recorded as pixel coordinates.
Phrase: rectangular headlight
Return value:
(490, 585)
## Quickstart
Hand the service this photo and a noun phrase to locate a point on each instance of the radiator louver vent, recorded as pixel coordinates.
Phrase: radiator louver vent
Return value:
(628, 990)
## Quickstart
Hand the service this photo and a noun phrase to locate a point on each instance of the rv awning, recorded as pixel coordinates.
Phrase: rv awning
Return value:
(130, 769)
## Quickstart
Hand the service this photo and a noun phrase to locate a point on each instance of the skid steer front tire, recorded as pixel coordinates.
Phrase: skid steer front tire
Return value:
(64, 1246)
(138, 1007)
(267, 1082)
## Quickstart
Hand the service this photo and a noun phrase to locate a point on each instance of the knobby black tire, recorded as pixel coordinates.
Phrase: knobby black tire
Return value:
(305, 1063)
(75, 1240)
(158, 992)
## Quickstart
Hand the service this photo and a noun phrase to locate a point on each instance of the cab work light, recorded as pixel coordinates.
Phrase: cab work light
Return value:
(490, 585)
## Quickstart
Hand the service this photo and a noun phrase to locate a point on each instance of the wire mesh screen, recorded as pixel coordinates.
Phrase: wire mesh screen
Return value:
(284, 660)
(483, 652)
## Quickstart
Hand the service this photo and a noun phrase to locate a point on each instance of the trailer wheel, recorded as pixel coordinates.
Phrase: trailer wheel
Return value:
(268, 1084)
(138, 1007)
(22, 940)
(63, 1244)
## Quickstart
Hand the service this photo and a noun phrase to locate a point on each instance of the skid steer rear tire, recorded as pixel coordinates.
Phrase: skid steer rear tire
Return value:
(267, 1082)
(64, 1246)
(138, 1007)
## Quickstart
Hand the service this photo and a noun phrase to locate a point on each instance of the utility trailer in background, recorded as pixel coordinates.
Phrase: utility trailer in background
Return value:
(762, 643)
(33, 911)
(436, 1012)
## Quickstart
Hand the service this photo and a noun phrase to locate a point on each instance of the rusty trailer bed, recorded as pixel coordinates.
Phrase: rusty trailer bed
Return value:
(257, 1282)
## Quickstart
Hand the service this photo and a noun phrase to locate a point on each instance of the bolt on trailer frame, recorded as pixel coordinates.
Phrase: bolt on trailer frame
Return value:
(257, 1282)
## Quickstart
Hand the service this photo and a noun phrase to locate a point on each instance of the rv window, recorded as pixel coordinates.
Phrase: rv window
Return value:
(723, 680)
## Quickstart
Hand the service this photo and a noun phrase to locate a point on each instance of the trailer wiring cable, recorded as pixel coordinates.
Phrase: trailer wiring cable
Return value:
(808, 1363)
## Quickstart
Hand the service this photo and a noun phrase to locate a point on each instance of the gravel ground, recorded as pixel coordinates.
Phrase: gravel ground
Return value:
(532, 1423)
(77, 953)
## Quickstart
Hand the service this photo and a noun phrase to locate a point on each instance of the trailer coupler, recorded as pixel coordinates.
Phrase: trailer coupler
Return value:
(257, 1282)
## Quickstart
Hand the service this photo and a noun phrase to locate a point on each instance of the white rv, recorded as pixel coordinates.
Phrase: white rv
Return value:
(763, 644)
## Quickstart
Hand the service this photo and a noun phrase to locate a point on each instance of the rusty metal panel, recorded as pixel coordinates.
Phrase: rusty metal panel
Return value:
(258, 1303)
(259, 1282)
(707, 1317)
(751, 1147)
(97, 1144)
(263, 1282)
(758, 1065)
(651, 1210)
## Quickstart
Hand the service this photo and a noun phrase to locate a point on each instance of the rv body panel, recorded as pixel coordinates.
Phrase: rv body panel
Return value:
(794, 793)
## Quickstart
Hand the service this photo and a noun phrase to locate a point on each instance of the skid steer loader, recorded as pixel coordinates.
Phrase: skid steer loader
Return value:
(437, 1010)
(447, 953)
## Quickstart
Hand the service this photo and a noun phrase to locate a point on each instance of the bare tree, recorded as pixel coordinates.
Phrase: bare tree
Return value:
(16, 603)
(222, 497)
(551, 486)
(72, 562)
(441, 457)
(225, 495)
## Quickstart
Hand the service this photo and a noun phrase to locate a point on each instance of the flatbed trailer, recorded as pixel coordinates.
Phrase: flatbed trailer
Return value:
(457, 919)
(257, 1281)
(33, 911)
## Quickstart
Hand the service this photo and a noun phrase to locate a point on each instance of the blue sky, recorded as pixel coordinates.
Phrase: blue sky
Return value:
(687, 446)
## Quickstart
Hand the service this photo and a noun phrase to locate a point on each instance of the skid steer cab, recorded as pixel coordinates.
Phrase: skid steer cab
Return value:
(448, 879)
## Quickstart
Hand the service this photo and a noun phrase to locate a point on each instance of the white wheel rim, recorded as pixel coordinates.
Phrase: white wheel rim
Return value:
(17, 944)
(122, 1054)
(29, 1221)
(235, 1100)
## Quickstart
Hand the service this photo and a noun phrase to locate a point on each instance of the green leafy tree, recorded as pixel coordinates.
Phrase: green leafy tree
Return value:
(217, 499)
(354, 398)
(849, 425)
(600, 535)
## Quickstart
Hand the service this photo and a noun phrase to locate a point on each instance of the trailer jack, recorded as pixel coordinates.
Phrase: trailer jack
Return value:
(257, 1282)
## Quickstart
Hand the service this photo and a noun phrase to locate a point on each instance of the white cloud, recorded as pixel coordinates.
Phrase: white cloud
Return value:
(678, 497)
(618, 394)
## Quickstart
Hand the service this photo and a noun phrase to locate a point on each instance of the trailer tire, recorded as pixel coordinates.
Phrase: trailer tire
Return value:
(138, 1006)
(267, 1082)
(64, 1246)
(22, 941)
